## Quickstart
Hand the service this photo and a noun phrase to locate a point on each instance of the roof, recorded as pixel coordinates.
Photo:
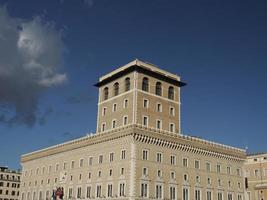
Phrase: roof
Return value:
(144, 67)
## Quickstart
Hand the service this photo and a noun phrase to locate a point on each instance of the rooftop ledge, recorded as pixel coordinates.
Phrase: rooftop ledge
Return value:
(92, 136)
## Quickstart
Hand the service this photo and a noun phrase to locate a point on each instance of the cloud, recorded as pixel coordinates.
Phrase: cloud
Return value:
(31, 53)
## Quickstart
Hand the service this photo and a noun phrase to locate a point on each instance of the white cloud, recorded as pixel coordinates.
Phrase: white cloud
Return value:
(31, 53)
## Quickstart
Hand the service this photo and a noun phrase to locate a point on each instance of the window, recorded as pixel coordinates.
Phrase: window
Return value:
(159, 157)
(125, 120)
(219, 182)
(144, 189)
(218, 168)
(171, 93)
(172, 111)
(122, 189)
(145, 155)
(228, 170)
(239, 197)
(98, 191)
(89, 175)
(209, 195)
(122, 171)
(123, 154)
(158, 89)
(103, 127)
(145, 103)
(79, 192)
(257, 172)
(145, 84)
(208, 167)
(172, 127)
(172, 193)
(145, 121)
(114, 107)
(111, 157)
(197, 194)
(185, 177)
(116, 88)
(90, 161)
(229, 196)
(125, 104)
(219, 196)
(70, 192)
(208, 181)
(104, 111)
(185, 162)
(185, 194)
(197, 179)
(173, 160)
(64, 166)
(159, 124)
(99, 174)
(88, 191)
(100, 159)
(238, 172)
(109, 190)
(114, 123)
(81, 162)
(72, 164)
(105, 93)
(159, 107)
(145, 171)
(127, 84)
(172, 175)
(158, 191)
(197, 164)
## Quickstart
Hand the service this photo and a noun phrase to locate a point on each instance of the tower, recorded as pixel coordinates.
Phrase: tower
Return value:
(139, 93)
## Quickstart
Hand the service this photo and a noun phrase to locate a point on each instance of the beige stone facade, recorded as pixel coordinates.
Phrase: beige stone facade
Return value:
(256, 176)
(138, 151)
(9, 184)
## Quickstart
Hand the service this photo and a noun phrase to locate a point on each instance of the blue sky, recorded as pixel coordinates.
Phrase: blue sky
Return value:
(55, 51)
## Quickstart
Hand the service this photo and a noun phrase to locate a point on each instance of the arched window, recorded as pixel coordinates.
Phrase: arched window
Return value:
(116, 89)
(171, 93)
(158, 89)
(127, 84)
(105, 93)
(145, 84)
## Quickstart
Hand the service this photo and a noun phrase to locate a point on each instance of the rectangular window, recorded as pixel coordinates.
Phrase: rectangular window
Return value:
(114, 107)
(88, 191)
(172, 127)
(159, 107)
(72, 164)
(158, 191)
(79, 192)
(159, 124)
(70, 193)
(173, 160)
(159, 157)
(197, 164)
(125, 105)
(229, 196)
(209, 195)
(145, 103)
(145, 121)
(219, 196)
(90, 161)
(197, 194)
(145, 171)
(145, 155)
(238, 172)
(103, 127)
(109, 190)
(208, 167)
(239, 197)
(100, 159)
(144, 189)
(125, 120)
(122, 189)
(123, 154)
(81, 162)
(111, 157)
(257, 172)
(185, 162)
(172, 193)
(172, 175)
(113, 123)
(98, 191)
(228, 170)
(218, 168)
(104, 111)
(172, 111)
(185, 194)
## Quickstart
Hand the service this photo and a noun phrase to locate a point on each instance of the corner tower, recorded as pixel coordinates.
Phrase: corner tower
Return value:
(139, 93)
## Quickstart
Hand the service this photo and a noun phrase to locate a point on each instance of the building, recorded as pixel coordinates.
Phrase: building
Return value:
(138, 150)
(9, 184)
(256, 176)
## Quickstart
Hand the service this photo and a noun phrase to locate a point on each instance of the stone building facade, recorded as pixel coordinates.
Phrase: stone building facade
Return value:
(9, 184)
(256, 176)
(138, 150)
